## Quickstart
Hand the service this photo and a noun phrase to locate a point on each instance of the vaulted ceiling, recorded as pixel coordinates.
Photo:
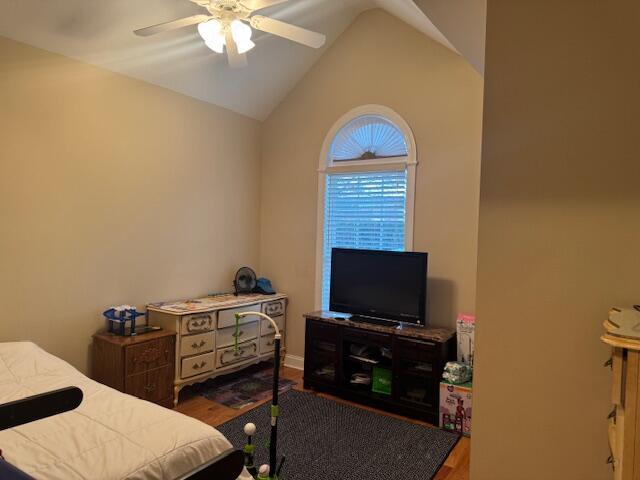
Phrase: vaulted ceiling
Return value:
(100, 33)
(463, 23)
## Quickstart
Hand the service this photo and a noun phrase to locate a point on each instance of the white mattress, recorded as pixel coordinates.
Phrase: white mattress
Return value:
(110, 436)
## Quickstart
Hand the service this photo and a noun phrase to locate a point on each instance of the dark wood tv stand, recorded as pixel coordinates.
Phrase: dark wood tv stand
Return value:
(415, 356)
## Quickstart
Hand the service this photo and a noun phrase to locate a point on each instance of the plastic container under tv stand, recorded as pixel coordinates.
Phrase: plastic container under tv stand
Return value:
(416, 361)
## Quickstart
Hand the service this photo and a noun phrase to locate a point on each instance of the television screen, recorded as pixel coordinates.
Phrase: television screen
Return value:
(380, 284)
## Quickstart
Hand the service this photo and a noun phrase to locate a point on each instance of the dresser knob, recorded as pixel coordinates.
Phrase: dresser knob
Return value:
(198, 367)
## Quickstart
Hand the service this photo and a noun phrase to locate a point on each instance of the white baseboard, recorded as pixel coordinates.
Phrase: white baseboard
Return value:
(294, 361)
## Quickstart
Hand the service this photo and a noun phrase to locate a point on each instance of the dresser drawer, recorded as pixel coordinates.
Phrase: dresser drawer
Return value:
(267, 343)
(149, 355)
(196, 344)
(193, 366)
(227, 318)
(197, 323)
(155, 385)
(228, 356)
(246, 331)
(267, 329)
(274, 308)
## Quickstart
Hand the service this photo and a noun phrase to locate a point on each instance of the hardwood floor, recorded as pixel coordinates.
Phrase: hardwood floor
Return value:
(456, 467)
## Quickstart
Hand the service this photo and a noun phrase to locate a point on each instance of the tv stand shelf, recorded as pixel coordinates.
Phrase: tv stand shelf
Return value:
(338, 351)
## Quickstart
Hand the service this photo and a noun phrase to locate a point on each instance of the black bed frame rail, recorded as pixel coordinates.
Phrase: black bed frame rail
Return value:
(226, 466)
(30, 409)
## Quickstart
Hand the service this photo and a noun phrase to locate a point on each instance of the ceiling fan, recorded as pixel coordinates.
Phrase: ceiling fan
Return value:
(228, 24)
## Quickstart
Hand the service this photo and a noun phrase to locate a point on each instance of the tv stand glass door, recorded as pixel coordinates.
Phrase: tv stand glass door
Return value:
(362, 353)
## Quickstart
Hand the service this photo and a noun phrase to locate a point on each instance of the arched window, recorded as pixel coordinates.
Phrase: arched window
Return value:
(366, 188)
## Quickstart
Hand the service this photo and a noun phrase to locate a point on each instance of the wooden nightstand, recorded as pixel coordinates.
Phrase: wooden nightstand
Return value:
(140, 365)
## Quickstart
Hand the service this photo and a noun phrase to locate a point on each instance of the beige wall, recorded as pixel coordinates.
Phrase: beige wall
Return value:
(113, 191)
(559, 232)
(440, 96)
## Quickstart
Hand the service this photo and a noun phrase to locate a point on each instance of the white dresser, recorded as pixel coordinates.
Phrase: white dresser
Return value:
(206, 334)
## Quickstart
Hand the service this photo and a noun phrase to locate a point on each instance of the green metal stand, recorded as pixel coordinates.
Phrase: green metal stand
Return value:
(273, 468)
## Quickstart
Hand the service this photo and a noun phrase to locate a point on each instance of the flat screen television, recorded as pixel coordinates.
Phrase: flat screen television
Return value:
(379, 284)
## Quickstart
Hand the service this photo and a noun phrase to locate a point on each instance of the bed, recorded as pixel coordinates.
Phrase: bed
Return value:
(111, 435)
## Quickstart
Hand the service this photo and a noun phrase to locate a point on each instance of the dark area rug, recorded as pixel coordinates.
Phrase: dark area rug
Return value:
(238, 390)
(324, 439)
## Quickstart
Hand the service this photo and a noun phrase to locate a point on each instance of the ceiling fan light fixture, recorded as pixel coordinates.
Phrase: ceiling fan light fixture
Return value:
(216, 46)
(228, 25)
(241, 33)
(211, 33)
(244, 47)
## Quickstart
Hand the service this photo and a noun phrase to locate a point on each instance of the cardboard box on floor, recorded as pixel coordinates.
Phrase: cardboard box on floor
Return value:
(456, 407)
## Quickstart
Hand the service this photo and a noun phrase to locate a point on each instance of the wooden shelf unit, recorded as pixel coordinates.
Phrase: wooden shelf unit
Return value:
(624, 419)
(414, 355)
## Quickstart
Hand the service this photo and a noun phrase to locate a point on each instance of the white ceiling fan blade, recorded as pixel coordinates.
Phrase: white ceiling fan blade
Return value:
(163, 27)
(236, 60)
(288, 31)
(254, 5)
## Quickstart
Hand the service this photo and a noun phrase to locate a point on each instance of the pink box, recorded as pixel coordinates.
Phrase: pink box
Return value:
(455, 407)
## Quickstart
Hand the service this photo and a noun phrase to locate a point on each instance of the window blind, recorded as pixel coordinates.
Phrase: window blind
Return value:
(364, 210)
(368, 135)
